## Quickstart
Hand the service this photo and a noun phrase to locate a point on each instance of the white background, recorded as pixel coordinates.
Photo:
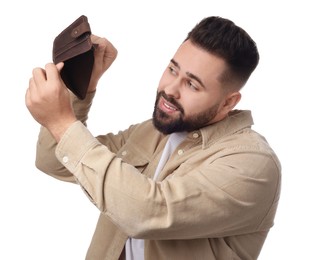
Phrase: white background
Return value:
(42, 218)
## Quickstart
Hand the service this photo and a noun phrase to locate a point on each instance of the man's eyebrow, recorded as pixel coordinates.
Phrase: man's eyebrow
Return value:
(192, 76)
(175, 63)
(189, 74)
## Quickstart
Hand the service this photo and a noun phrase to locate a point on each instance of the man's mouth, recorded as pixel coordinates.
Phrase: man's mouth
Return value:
(166, 106)
(170, 106)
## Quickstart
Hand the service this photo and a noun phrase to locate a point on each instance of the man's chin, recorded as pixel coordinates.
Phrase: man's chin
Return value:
(166, 123)
(167, 126)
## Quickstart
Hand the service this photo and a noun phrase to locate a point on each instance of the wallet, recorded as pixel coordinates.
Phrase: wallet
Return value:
(74, 47)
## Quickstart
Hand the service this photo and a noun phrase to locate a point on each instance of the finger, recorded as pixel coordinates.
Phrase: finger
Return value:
(110, 51)
(31, 83)
(30, 92)
(33, 90)
(96, 39)
(107, 50)
(52, 71)
(39, 76)
(60, 65)
(28, 98)
(100, 43)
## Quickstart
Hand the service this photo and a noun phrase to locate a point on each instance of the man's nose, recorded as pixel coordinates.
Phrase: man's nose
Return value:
(173, 88)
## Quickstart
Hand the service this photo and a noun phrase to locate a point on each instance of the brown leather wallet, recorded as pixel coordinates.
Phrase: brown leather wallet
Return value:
(74, 47)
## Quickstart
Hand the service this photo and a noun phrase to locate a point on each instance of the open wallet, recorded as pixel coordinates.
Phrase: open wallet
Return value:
(74, 47)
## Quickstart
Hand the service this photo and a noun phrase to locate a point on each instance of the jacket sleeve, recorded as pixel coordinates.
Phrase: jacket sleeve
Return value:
(221, 198)
(46, 160)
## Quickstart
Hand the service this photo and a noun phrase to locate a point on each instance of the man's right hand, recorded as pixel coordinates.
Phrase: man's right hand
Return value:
(104, 55)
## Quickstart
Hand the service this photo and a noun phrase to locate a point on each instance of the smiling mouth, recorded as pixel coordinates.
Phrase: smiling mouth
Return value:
(167, 105)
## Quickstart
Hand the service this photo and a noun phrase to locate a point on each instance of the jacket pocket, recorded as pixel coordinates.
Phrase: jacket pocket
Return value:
(133, 156)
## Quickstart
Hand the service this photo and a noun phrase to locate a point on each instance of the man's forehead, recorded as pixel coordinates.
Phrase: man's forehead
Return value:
(194, 60)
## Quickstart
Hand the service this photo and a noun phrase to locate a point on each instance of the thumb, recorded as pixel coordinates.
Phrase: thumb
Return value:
(59, 66)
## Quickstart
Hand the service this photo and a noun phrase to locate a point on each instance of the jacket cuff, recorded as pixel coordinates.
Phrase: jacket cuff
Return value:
(74, 144)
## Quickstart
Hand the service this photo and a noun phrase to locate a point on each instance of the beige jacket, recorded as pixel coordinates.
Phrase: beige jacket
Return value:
(216, 197)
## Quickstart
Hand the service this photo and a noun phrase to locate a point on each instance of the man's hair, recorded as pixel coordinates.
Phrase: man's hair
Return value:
(221, 37)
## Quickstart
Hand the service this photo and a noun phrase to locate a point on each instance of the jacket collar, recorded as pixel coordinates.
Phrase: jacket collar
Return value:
(234, 122)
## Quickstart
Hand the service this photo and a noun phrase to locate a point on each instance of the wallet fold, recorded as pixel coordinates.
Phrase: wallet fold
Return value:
(74, 47)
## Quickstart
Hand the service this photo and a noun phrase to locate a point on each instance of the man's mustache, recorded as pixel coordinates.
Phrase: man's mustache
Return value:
(171, 100)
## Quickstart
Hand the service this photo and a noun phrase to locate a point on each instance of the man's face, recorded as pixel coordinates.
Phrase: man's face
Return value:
(190, 95)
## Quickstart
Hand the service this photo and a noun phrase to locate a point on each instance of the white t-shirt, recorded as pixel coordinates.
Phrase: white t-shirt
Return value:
(134, 248)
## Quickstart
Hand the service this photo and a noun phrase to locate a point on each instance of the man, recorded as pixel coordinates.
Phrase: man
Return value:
(193, 182)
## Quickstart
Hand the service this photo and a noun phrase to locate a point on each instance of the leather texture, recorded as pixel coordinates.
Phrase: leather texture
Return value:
(74, 47)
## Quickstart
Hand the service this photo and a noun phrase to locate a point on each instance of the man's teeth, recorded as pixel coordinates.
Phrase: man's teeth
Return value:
(170, 107)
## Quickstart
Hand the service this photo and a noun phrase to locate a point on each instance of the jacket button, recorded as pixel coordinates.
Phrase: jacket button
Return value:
(65, 159)
(180, 152)
(195, 135)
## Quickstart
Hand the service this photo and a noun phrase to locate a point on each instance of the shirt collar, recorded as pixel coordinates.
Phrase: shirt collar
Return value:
(234, 122)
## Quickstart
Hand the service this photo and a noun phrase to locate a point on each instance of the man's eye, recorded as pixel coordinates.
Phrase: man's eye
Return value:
(192, 86)
(172, 70)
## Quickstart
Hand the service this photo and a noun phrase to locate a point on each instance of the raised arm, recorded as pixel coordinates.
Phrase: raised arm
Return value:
(55, 108)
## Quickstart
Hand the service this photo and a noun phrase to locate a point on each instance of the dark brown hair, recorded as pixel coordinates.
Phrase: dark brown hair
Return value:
(221, 37)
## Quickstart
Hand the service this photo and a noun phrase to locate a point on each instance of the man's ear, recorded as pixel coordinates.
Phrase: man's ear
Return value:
(231, 101)
(227, 105)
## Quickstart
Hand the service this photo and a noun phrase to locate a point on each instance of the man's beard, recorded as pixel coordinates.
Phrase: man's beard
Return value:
(168, 124)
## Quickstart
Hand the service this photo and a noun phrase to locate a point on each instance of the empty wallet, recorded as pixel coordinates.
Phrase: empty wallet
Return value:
(74, 47)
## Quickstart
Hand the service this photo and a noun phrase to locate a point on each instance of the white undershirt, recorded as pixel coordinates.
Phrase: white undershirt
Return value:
(134, 248)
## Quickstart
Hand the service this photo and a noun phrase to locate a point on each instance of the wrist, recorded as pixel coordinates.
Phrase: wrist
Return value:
(58, 130)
